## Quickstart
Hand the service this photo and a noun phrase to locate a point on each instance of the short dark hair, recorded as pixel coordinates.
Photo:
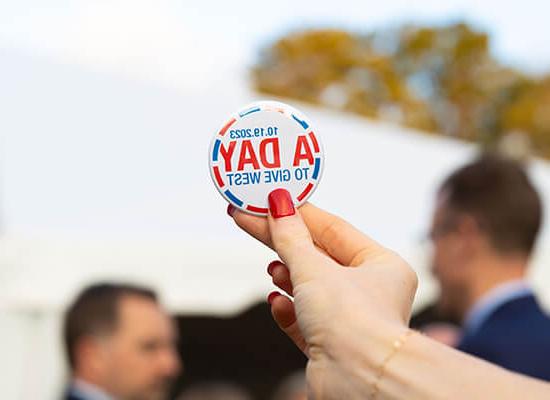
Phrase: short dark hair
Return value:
(498, 194)
(95, 312)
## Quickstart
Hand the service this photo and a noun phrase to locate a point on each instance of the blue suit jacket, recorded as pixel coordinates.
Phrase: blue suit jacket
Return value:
(70, 395)
(515, 336)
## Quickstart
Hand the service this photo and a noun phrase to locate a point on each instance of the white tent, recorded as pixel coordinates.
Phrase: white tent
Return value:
(106, 178)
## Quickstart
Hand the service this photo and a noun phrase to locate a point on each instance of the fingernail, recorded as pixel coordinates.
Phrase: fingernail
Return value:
(230, 210)
(270, 267)
(280, 204)
(272, 296)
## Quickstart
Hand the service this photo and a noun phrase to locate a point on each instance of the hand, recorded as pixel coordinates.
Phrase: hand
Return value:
(333, 312)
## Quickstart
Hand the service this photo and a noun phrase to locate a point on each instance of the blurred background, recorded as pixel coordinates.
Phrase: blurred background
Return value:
(107, 109)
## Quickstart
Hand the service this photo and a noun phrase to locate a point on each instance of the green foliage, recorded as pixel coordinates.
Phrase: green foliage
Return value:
(437, 79)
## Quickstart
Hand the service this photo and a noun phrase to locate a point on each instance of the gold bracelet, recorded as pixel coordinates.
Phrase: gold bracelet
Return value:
(397, 344)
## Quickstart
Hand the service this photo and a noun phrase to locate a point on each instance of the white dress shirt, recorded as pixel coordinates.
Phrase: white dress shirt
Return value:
(89, 391)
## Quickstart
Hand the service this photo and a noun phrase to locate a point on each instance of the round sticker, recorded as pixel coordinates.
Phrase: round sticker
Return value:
(267, 145)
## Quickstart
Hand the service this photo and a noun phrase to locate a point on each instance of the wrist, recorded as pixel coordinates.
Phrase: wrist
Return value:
(364, 351)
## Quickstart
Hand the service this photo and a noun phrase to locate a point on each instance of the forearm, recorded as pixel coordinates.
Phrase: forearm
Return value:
(427, 370)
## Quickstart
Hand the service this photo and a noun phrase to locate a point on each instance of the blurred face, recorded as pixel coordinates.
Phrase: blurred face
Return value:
(450, 260)
(140, 359)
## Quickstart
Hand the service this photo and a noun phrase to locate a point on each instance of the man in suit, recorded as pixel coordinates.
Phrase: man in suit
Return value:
(120, 345)
(486, 221)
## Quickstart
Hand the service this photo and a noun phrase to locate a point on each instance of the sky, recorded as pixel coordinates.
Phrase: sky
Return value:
(157, 40)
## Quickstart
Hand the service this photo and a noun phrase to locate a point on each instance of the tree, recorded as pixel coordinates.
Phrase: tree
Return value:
(437, 79)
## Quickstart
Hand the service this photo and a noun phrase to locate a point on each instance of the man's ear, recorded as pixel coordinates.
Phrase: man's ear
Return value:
(472, 237)
(90, 354)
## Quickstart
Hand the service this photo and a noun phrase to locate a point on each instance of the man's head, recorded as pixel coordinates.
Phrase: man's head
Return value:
(485, 225)
(118, 338)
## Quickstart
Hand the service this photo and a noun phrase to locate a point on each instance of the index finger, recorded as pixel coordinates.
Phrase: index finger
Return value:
(339, 239)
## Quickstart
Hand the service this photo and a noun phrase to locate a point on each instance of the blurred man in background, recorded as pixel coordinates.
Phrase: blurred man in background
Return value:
(485, 225)
(120, 345)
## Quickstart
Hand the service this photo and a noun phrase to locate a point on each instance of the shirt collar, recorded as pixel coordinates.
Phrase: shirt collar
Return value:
(89, 391)
(492, 300)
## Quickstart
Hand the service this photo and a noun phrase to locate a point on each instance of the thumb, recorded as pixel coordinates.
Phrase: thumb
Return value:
(291, 239)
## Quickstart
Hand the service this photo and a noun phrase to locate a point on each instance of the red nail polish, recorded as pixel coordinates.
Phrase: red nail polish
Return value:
(230, 210)
(281, 204)
(272, 296)
(270, 267)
